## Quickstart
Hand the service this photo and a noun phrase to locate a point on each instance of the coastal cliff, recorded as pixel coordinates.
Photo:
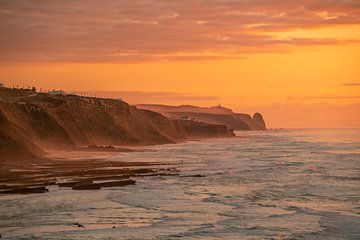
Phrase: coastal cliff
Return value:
(31, 123)
(212, 115)
(13, 143)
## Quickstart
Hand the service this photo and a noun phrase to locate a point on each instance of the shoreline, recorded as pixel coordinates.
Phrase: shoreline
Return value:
(82, 170)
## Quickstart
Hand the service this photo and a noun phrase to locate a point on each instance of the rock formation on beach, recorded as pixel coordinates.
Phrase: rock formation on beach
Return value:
(32, 122)
(212, 115)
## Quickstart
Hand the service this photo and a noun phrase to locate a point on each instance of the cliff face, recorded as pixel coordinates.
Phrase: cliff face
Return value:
(259, 120)
(213, 115)
(13, 143)
(34, 121)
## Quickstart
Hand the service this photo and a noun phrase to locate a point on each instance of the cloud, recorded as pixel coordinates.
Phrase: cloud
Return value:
(350, 84)
(144, 30)
(331, 97)
(321, 98)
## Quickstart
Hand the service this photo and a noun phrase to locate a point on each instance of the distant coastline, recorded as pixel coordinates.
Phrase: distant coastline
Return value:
(213, 115)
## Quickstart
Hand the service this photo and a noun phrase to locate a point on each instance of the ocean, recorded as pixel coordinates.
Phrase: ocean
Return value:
(278, 184)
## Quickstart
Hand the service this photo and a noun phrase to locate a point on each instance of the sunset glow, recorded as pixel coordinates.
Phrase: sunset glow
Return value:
(297, 62)
(179, 119)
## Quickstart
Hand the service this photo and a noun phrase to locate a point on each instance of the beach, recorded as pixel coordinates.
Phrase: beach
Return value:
(281, 184)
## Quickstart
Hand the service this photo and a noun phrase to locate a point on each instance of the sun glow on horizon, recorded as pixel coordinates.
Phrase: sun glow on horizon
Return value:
(279, 59)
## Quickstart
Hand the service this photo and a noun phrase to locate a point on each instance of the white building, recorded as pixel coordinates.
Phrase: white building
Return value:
(57, 92)
(185, 118)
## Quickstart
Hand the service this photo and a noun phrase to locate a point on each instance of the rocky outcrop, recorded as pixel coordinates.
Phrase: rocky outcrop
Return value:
(259, 120)
(251, 122)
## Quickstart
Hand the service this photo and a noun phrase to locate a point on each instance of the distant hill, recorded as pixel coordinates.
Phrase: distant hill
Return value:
(186, 108)
(213, 115)
(31, 122)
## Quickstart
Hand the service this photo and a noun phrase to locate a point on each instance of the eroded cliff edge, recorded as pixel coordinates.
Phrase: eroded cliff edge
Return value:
(31, 123)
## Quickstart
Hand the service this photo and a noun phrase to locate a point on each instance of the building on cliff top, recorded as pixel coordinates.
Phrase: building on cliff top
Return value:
(57, 92)
(185, 118)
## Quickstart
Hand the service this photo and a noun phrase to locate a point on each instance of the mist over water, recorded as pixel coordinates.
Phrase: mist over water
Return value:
(281, 184)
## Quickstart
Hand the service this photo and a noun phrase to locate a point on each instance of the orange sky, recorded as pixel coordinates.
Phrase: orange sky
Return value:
(297, 63)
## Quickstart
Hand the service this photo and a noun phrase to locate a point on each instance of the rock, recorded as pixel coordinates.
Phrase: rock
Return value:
(86, 186)
(25, 190)
(118, 183)
(195, 175)
(259, 120)
(74, 183)
(92, 186)
(79, 225)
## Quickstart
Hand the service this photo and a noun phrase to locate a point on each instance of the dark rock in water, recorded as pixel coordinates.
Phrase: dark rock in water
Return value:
(195, 175)
(79, 225)
(86, 186)
(259, 120)
(25, 190)
(92, 186)
(118, 183)
(74, 183)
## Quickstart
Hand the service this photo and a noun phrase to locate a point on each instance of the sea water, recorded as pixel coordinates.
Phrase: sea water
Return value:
(280, 184)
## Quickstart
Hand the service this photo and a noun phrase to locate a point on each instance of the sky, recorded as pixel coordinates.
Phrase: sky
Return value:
(296, 62)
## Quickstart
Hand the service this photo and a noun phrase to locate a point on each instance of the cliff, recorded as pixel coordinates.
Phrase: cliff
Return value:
(32, 122)
(14, 143)
(212, 115)
(259, 120)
